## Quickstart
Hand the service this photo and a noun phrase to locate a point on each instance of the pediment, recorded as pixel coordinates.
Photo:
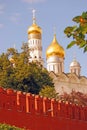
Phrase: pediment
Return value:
(52, 75)
(63, 77)
(73, 78)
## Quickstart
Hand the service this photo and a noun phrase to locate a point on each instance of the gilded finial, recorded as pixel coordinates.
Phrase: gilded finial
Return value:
(74, 56)
(34, 16)
(54, 29)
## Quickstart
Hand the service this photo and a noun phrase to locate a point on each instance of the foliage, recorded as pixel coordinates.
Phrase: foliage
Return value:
(11, 51)
(8, 127)
(49, 92)
(17, 73)
(78, 32)
(74, 97)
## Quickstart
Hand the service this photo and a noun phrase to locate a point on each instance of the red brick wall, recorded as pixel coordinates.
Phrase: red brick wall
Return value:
(36, 113)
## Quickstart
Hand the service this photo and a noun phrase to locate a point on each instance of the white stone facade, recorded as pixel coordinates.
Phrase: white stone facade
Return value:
(68, 82)
(55, 64)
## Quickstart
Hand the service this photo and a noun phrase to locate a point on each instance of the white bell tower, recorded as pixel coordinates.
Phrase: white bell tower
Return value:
(35, 42)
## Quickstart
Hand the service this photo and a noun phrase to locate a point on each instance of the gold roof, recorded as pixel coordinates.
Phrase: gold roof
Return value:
(34, 29)
(55, 49)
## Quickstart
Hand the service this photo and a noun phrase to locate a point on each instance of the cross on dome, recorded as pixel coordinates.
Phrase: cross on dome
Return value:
(74, 55)
(34, 16)
(54, 30)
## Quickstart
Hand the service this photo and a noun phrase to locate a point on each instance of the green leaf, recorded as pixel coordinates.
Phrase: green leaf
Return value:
(84, 31)
(82, 44)
(84, 14)
(69, 29)
(79, 32)
(85, 48)
(76, 19)
(71, 44)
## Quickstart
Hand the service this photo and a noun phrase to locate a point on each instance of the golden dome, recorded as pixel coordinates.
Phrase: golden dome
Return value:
(34, 29)
(55, 49)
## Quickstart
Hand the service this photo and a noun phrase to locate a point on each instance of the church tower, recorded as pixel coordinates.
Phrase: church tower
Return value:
(35, 42)
(55, 57)
(75, 67)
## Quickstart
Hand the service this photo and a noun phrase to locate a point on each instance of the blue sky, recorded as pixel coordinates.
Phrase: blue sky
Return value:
(16, 17)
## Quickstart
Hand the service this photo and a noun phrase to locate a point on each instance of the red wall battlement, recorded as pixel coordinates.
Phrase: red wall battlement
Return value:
(37, 113)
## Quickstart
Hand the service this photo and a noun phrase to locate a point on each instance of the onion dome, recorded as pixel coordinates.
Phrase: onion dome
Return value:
(55, 49)
(34, 28)
(75, 63)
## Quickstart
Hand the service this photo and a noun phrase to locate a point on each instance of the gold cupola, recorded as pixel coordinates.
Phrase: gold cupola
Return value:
(34, 28)
(55, 49)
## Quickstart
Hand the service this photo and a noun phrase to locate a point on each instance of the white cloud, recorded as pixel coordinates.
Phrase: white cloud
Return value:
(1, 25)
(33, 1)
(2, 7)
(15, 18)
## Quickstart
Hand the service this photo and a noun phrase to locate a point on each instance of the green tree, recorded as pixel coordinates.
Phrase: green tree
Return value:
(5, 70)
(11, 51)
(49, 92)
(25, 51)
(78, 32)
(17, 73)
